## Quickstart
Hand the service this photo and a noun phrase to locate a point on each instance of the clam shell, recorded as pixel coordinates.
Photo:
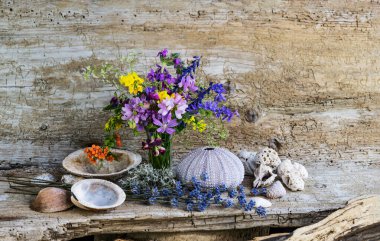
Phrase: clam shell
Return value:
(77, 163)
(52, 199)
(277, 190)
(97, 194)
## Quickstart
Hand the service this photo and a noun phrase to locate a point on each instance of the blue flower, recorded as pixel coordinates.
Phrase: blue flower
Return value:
(155, 192)
(196, 183)
(249, 206)
(241, 199)
(227, 203)
(174, 202)
(204, 176)
(152, 200)
(264, 191)
(208, 195)
(261, 211)
(179, 189)
(217, 199)
(202, 206)
(135, 189)
(232, 193)
(255, 191)
(165, 192)
(189, 207)
(222, 187)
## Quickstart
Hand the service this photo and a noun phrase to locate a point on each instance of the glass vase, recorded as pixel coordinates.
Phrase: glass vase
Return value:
(163, 160)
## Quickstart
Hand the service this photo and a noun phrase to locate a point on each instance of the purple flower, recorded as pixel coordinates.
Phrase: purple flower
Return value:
(114, 101)
(137, 110)
(166, 106)
(180, 106)
(177, 62)
(166, 124)
(163, 53)
(151, 93)
(188, 83)
(151, 75)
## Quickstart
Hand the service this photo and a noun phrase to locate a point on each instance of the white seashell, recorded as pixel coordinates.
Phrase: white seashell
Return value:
(260, 202)
(70, 179)
(44, 177)
(267, 156)
(247, 158)
(97, 194)
(292, 175)
(78, 164)
(301, 169)
(277, 190)
(222, 167)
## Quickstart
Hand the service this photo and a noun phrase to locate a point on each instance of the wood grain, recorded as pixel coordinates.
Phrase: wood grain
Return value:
(304, 75)
(326, 190)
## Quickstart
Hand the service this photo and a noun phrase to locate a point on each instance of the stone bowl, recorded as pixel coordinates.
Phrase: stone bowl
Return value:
(78, 164)
(97, 194)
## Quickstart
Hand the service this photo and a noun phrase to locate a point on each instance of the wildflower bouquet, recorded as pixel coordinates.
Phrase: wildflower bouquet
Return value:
(164, 102)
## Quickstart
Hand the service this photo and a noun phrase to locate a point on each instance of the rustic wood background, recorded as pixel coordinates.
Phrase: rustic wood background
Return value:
(304, 75)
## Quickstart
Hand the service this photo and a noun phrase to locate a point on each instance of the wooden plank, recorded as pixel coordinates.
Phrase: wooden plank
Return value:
(327, 189)
(359, 220)
(301, 73)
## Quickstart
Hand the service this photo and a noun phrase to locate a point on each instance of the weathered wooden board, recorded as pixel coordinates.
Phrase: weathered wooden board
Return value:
(359, 220)
(302, 73)
(325, 191)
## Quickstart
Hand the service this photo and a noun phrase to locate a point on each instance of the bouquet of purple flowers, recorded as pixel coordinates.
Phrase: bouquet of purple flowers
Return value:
(162, 103)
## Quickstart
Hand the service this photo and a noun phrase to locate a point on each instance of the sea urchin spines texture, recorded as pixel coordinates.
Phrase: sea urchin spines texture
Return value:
(221, 165)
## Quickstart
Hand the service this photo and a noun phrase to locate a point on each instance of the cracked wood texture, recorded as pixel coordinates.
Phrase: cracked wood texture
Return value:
(325, 191)
(304, 76)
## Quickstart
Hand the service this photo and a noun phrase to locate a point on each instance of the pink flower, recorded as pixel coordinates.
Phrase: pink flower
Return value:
(181, 106)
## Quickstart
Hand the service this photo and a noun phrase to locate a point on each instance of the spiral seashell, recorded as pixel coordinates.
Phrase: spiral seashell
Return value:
(277, 190)
(221, 165)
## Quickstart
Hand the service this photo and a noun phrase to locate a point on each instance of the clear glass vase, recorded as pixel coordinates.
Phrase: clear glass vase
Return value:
(163, 160)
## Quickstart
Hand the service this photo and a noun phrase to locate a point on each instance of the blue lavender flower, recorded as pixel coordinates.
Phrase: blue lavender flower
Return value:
(261, 211)
(208, 195)
(264, 191)
(217, 199)
(255, 191)
(152, 200)
(174, 202)
(227, 203)
(241, 199)
(135, 189)
(179, 189)
(217, 190)
(232, 193)
(155, 192)
(249, 206)
(190, 70)
(202, 206)
(165, 192)
(196, 183)
(204, 176)
(222, 187)
(189, 207)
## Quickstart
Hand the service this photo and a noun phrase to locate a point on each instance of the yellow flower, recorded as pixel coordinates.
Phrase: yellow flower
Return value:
(133, 82)
(164, 95)
(196, 125)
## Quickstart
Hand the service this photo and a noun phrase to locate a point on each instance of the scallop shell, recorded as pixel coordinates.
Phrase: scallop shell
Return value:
(221, 165)
(52, 199)
(277, 190)
(97, 194)
(77, 163)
